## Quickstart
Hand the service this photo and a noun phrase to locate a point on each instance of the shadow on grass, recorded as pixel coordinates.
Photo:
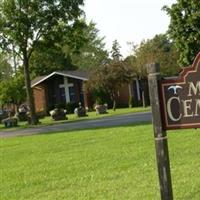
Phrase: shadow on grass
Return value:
(97, 128)
(26, 126)
(73, 120)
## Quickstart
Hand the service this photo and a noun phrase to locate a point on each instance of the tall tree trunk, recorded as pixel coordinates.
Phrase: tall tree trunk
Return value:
(145, 93)
(143, 99)
(114, 104)
(29, 92)
(114, 101)
(14, 59)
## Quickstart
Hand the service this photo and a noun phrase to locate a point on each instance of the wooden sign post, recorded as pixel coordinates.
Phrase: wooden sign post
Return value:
(175, 104)
(160, 135)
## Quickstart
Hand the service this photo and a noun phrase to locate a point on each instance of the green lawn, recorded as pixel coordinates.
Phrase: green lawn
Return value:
(97, 164)
(91, 115)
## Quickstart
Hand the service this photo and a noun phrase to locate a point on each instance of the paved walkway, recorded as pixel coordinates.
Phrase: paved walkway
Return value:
(96, 123)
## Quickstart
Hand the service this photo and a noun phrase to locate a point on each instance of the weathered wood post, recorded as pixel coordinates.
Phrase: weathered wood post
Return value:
(160, 135)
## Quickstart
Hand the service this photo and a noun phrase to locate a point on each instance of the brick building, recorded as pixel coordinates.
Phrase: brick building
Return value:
(60, 88)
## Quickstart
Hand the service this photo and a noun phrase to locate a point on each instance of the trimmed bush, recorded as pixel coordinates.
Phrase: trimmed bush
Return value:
(70, 107)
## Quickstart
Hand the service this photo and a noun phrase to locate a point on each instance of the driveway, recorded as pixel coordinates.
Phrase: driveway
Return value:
(96, 123)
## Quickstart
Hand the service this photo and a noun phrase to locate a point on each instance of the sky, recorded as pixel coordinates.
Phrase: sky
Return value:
(128, 20)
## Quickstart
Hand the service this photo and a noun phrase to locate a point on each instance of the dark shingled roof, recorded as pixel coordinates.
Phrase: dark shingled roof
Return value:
(77, 74)
(37, 79)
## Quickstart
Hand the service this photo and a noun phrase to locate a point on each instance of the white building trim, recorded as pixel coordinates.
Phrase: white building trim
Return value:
(59, 73)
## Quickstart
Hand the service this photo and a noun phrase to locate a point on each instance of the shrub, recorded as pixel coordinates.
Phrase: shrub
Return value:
(70, 107)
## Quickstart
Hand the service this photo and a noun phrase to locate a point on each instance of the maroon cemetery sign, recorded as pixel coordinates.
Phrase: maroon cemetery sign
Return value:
(180, 99)
(175, 104)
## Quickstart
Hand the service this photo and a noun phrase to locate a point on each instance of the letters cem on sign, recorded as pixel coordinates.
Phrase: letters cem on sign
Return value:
(180, 98)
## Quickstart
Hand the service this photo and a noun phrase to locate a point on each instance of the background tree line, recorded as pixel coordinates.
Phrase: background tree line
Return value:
(44, 36)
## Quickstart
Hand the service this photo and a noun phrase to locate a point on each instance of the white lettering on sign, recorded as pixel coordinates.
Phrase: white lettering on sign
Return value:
(197, 108)
(169, 110)
(188, 107)
(193, 88)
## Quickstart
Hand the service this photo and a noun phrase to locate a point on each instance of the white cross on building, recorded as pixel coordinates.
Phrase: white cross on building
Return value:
(66, 86)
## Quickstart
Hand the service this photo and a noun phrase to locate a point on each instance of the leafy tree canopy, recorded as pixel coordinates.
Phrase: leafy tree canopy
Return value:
(11, 90)
(157, 50)
(184, 28)
(47, 58)
(109, 78)
(81, 47)
(92, 53)
(23, 23)
(6, 70)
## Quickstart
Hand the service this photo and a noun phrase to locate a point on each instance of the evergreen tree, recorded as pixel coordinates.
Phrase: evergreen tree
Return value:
(115, 52)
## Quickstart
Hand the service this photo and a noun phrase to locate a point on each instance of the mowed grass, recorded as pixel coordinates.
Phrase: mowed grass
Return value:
(101, 164)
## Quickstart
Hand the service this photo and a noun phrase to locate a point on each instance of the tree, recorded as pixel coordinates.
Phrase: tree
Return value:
(115, 52)
(11, 90)
(6, 70)
(184, 28)
(157, 50)
(81, 47)
(23, 23)
(109, 78)
(92, 53)
(47, 58)
(52, 56)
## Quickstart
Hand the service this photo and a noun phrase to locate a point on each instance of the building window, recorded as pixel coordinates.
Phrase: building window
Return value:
(62, 94)
(72, 96)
